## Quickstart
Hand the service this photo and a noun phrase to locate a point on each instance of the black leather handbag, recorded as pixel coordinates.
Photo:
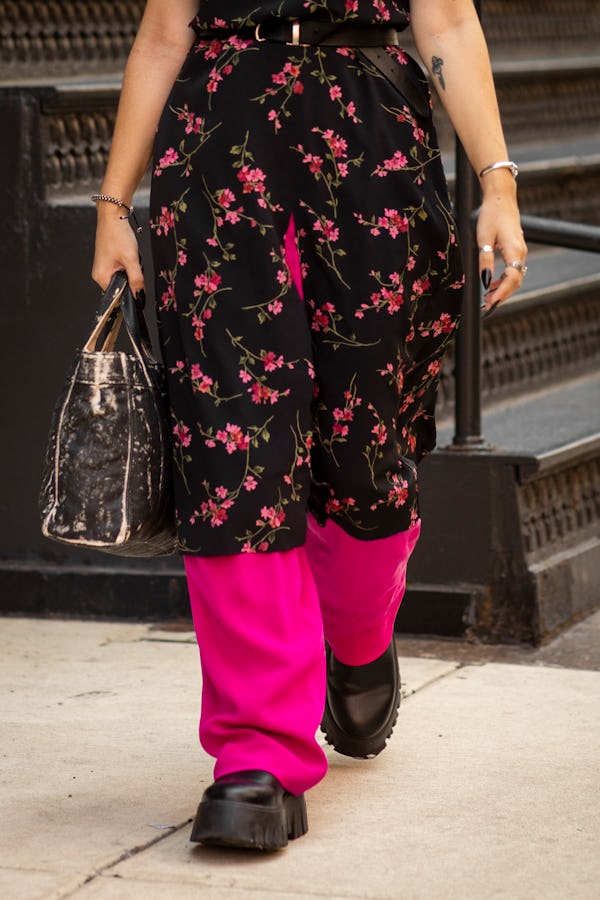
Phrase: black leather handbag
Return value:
(107, 474)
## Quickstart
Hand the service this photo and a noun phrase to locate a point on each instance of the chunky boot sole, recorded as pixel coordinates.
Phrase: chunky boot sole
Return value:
(227, 823)
(353, 745)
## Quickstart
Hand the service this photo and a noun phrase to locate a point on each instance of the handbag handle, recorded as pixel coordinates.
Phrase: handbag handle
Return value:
(118, 305)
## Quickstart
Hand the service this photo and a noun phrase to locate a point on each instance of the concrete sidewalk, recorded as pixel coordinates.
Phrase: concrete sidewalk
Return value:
(488, 789)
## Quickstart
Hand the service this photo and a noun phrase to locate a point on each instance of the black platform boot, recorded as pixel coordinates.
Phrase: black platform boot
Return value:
(249, 809)
(362, 704)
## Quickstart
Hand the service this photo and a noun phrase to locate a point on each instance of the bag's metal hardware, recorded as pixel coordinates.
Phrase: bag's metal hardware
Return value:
(257, 34)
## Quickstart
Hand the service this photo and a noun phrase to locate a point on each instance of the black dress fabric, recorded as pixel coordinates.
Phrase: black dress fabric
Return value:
(240, 13)
(308, 281)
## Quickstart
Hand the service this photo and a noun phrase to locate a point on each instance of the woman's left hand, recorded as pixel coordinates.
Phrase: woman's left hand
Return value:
(499, 230)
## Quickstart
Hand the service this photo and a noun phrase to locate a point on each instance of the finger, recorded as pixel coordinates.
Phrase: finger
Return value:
(486, 262)
(501, 289)
(102, 273)
(135, 277)
(102, 277)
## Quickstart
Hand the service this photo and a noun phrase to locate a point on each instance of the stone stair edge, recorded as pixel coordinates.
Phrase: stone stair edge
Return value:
(542, 446)
(551, 67)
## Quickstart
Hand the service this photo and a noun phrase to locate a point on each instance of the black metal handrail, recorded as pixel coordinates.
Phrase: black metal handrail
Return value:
(467, 408)
(573, 235)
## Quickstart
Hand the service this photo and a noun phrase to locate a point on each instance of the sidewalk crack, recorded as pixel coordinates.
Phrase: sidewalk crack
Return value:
(126, 854)
(434, 680)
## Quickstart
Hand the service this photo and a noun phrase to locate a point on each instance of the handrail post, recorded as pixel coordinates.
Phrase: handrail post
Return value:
(467, 411)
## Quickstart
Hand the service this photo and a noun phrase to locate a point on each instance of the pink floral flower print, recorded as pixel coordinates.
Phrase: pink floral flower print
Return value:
(167, 298)
(210, 49)
(182, 435)
(170, 158)
(166, 221)
(252, 179)
(397, 494)
(337, 144)
(226, 198)
(444, 325)
(216, 512)
(233, 438)
(327, 230)
(392, 221)
(271, 361)
(394, 164)
(201, 383)
(335, 506)
(380, 432)
(262, 394)
(193, 123)
(213, 81)
(314, 163)
(322, 317)
(271, 516)
(207, 282)
(420, 286)
(381, 10)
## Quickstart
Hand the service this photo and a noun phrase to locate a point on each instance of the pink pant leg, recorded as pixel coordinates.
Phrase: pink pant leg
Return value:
(361, 585)
(260, 635)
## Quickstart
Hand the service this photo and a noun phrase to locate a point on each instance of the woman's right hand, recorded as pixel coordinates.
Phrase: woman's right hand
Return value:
(116, 248)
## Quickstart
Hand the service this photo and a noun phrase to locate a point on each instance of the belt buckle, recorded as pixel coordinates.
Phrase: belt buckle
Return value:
(295, 41)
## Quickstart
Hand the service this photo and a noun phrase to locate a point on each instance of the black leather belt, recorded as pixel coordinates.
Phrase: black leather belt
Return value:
(369, 42)
(306, 32)
(310, 31)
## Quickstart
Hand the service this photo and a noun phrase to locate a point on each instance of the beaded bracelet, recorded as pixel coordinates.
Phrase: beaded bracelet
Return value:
(504, 164)
(130, 212)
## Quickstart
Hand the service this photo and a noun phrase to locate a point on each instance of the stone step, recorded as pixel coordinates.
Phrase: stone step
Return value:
(520, 515)
(559, 179)
(551, 99)
(547, 333)
(526, 28)
(56, 37)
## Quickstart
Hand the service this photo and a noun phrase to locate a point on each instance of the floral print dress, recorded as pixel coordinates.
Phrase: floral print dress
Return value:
(308, 281)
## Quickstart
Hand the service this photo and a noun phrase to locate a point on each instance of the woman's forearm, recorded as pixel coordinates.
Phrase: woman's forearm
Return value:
(449, 38)
(450, 41)
(157, 55)
(153, 64)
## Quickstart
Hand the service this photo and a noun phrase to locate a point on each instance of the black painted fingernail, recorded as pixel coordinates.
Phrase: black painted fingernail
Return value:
(141, 297)
(488, 313)
(486, 278)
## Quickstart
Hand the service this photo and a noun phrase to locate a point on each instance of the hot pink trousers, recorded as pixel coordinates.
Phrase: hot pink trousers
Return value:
(261, 621)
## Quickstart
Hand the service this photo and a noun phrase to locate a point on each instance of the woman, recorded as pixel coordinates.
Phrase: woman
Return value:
(308, 280)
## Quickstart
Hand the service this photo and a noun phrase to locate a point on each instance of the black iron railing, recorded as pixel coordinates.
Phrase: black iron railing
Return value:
(467, 410)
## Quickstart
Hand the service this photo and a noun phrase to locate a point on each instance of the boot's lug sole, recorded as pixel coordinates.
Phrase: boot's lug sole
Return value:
(228, 823)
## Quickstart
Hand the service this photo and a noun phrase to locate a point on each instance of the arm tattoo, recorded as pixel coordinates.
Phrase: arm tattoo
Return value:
(436, 69)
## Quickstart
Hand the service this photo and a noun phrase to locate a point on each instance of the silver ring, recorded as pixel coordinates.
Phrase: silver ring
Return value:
(519, 266)
(486, 248)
